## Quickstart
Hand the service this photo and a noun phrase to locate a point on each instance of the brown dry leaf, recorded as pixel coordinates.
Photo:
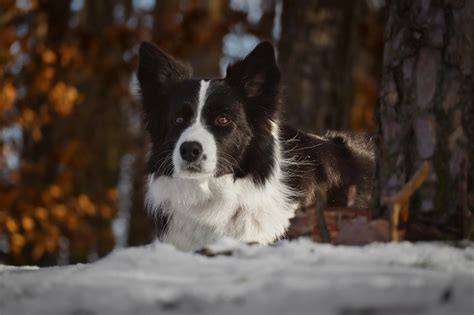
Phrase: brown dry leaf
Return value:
(107, 212)
(38, 251)
(7, 96)
(27, 118)
(44, 79)
(42, 29)
(59, 211)
(11, 225)
(48, 56)
(28, 223)
(41, 213)
(63, 98)
(36, 134)
(85, 205)
(46, 197)
(51, 243)
(72, 223)
(112, 194)
(55, 191)
(17, 242)
(68, 53)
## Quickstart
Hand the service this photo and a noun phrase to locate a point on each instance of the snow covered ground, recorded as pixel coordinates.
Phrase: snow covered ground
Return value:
(297, 277)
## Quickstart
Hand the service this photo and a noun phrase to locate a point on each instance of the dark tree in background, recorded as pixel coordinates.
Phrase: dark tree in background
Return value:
(315, 57)
(426, 113)
(328, 53)
(330, 56)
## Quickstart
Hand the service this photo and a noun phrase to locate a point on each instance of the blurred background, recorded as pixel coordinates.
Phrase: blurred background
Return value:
(72, 145)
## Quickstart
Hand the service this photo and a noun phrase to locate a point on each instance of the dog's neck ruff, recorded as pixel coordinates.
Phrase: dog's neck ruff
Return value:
(201, 211)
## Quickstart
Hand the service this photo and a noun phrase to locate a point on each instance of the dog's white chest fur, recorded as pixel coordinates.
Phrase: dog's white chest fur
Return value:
(205, 210)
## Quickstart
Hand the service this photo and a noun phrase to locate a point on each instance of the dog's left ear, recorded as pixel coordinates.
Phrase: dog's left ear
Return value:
(256, 74)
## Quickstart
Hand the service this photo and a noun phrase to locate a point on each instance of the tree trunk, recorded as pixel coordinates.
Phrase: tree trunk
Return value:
(315, 57)
(426, 113)
(330, 55)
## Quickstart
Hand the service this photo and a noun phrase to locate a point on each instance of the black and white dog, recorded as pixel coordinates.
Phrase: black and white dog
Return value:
(223, 164)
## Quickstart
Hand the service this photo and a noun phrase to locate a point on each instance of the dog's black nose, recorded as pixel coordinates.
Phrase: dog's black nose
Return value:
(190, 150)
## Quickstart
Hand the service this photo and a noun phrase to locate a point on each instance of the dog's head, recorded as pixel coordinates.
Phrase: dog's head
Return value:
(209, 128)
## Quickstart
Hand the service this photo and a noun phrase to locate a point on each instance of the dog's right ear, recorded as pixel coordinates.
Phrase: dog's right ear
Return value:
(156, 69)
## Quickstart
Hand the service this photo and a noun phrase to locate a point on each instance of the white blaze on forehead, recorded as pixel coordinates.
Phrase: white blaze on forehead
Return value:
(197, 132)
(201, 99)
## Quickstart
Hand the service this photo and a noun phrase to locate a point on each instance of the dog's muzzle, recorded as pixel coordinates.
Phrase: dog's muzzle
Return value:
(195, 153)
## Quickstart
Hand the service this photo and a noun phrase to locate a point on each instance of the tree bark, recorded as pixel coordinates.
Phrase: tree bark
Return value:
(426, 113)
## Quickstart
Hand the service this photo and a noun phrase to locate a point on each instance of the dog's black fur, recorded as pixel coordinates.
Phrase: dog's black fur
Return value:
(249, 96)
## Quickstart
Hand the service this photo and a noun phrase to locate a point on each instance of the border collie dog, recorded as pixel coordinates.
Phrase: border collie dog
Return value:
(222, 162)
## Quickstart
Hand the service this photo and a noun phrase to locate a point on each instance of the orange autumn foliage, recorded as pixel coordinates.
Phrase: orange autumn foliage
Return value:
(7, 96)
(63, 98)
(63, 190)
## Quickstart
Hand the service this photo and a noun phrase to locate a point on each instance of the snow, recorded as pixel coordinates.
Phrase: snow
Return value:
(298, 277)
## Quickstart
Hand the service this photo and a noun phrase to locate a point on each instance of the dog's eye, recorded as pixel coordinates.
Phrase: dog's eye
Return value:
(222, 120)
(179, 120)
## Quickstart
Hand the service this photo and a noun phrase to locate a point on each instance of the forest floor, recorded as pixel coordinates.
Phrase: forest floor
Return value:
(298, 277)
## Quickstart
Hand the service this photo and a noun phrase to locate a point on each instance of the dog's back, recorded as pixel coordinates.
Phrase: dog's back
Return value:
(338, 164)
